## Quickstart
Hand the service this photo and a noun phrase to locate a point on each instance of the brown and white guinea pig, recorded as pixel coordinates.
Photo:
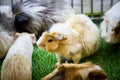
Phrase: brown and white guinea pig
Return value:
(75, 39)
(83, 71)
(110, 27)
(17, 65)
(7, 32)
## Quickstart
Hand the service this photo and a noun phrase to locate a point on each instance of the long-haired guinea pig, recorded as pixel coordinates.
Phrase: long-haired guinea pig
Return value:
(17, 65)
(83, 71)
(75, 39)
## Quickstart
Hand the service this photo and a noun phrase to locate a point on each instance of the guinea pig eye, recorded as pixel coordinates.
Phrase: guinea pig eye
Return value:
(50, 40)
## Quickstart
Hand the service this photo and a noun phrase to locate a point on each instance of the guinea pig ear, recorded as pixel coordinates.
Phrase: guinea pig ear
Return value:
(33, 38)
(97, 75)
(56, 35)
(60, 37)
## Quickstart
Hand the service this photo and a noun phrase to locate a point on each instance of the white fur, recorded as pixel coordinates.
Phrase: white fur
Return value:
(82, 38)
(111, 19)
(98, 67)
(22, 45)
(73, 36)
(6, 10)
(85, 71)
(21, 49)
(33, 8)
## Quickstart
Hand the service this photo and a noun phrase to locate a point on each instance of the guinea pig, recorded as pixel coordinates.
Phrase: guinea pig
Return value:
(83, 71)
(110, 26)
(36, 16)
(17, 65)
(75, 39)
(7, 32)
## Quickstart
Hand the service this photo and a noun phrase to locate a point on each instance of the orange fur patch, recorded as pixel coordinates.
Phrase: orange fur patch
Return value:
(83, 71)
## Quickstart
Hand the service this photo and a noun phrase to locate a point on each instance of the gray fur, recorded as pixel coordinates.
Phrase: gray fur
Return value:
(52, 11)
(6, 34)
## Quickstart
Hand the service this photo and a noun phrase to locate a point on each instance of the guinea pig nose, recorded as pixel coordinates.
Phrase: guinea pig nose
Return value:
(42, 45)
(21, 17)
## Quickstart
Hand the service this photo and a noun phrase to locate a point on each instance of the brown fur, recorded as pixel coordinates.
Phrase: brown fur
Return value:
(117, 29)
(83, 71)
(110, 26)
(97, 75)
(12, 71)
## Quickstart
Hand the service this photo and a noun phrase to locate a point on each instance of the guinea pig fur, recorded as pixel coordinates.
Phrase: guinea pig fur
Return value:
(75, 39)
(110, 27)
(17, 65)
(7, 32)
(6, 11)
(35, 16)
(83, 71)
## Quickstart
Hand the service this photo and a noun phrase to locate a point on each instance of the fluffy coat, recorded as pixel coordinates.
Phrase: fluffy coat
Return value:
(110, 27)
(75, 39)
(6, 10)
(17, 65)
(36, 16)
(83, 71)
(7, 31)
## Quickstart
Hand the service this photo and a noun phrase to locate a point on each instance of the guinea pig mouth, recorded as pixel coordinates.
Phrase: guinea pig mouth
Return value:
(48, 50)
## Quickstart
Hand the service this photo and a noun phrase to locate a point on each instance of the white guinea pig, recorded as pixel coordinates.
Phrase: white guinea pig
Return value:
(75, 39)
(110, 27)
(17, 65)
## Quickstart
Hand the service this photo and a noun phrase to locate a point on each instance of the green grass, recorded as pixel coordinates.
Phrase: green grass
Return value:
(95, 14)
(108, 56)
(43, 63)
